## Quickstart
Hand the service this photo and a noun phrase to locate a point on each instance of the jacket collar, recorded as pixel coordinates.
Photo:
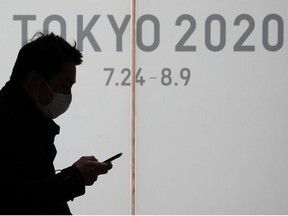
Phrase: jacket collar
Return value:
(22, 105)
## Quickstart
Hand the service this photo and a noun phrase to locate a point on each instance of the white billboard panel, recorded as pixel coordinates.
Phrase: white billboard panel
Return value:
(211, 89)
(212, 115)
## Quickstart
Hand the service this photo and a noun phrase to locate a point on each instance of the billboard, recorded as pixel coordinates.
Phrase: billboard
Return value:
(211, 87)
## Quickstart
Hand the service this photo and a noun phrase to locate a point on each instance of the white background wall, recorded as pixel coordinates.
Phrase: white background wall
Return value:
(217, 145)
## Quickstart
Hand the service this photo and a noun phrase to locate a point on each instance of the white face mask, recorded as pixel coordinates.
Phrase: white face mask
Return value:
(58, 105)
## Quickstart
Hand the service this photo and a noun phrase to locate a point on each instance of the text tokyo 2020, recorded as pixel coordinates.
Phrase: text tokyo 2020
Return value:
(215, 27)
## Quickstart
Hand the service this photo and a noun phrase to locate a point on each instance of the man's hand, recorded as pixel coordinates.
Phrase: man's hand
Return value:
(90, 168)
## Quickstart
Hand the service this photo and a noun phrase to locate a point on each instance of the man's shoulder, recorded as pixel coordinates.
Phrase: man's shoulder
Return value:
(7, 115)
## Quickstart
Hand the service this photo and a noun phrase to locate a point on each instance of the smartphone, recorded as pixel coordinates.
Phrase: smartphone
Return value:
(112, 158)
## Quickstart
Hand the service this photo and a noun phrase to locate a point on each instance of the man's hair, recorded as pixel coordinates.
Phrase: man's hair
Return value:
(44, 54)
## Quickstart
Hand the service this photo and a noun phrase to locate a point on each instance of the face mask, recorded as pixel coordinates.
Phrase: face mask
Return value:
(58, 105)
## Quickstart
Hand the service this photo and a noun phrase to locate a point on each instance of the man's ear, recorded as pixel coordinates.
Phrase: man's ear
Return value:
(30, 83)
(33, 79)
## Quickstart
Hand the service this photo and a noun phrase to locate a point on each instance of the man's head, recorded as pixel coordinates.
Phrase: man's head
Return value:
(46, 68)
(45, 54)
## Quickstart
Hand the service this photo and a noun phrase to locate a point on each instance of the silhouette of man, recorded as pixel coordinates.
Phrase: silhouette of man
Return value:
(38, 91)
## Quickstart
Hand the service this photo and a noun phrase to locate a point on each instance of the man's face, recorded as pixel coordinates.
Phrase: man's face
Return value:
(63, 81)
(60, 83)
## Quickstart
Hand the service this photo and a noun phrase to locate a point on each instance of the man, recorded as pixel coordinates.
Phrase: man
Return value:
(38, 91)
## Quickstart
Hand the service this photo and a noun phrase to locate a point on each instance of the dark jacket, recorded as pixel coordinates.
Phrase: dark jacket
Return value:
(28, 183)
